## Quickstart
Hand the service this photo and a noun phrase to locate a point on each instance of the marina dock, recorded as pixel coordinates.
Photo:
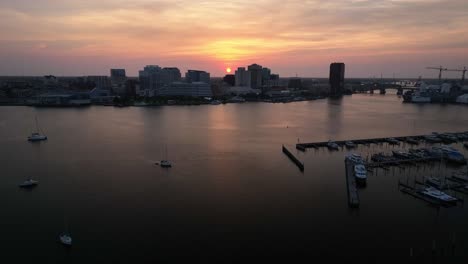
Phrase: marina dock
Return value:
(293, 158)
(368, 141)
(353, 196)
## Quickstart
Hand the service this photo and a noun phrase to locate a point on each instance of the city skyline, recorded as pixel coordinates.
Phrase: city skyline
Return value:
(76, 38)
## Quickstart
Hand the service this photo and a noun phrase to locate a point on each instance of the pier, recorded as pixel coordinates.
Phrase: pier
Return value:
(398, 162)
(353, 197)
(368, 141)
(293, 158)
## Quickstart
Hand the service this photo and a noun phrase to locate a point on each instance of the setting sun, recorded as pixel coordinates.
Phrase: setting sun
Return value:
(228, 70)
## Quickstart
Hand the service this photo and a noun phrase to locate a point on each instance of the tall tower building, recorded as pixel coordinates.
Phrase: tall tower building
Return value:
(242, 77)
(197, 76)
(255, 76)
(337, 73)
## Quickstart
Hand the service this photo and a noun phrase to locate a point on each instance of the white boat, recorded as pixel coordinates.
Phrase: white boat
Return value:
(354, 157)
(66, 239)
(215, 102)
(439, 195)
(29, 183)
(36, 136)
(332, 145)
(360, 173)
(350, 144)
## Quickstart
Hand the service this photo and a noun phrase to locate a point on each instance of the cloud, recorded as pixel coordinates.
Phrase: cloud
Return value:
(203, 32)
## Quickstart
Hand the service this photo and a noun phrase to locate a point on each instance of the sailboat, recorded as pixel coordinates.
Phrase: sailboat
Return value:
(65, 237)
(37, 136)
(29, 183)
(165, 163)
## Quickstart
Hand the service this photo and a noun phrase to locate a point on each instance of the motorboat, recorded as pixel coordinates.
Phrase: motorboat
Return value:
(412, 141)
(215, 102)
(350, 144)
(65, 239)
(332, 145)
(393, 141)
(460, 176)
(455, 157)
(432, 139)
(438, 195)
(447, 138)
(29, 183)
(354, 157)
(435, 182)
(360, 172)
(165, 164)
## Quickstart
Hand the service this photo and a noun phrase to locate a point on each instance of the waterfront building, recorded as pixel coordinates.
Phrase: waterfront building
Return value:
(336, 80)
(151, 79)
(170, 75)
(242, 77)
(118, 79)
(194, 89)
(266, 75)
(100, 82)
(230, 79)
(255, 76)
(295, 83)
(197, 76)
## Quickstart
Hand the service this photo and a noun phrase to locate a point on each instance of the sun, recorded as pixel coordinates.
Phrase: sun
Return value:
(228, 70)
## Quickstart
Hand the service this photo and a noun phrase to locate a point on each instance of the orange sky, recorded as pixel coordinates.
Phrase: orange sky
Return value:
(87, 37)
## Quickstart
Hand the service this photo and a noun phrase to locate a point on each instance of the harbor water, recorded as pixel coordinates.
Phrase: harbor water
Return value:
(231, 190)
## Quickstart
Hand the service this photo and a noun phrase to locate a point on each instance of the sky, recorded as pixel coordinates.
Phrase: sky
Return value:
(291, 37)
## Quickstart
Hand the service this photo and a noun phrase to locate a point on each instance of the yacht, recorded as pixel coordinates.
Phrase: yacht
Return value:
(360, 173)
(350, 144)
(29, 183)
(438, 195)
(393, 141)
(432, 139)
(417, 98)
(354, 157)
(65, 239)
(435, 182)
(333, 145)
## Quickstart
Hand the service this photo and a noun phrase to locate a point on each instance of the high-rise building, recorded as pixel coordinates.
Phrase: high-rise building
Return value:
(255, 76)
(197, 76)
(101, 82)
(337, 73)
(150, 78)
(242, 77)
(170, 75)
(266, 75)
(195, 89)
(118, 80)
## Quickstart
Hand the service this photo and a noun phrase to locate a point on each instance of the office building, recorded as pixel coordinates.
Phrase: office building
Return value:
(100, 82)
(230, 79)
(197, 76)
(337, 73)
(266, 75)
(118, 79)
(170, 75)
(295, 83)
(194, 89)
(255, 76)
(242, 77)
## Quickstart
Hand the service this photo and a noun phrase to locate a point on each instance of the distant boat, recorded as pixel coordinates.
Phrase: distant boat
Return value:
(360, 173)
(29, 183)
(65, 238)
(355, 158)
(165, 163)
(412, 141)
(37, 136)
(393, 141)
(333, 145)
(350, 144)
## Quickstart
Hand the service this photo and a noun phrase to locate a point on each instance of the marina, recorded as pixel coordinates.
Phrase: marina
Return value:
(459, 136)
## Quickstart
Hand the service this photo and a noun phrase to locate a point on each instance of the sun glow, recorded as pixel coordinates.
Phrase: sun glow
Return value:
(228, 70)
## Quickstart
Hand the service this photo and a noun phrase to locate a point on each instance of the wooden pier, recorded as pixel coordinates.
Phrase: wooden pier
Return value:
(368, 141)
(353, 196)
(293, 158)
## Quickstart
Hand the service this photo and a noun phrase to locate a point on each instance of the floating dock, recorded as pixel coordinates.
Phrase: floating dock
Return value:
(293, 158)
(368, 141)
(353, 196)
(398, 162)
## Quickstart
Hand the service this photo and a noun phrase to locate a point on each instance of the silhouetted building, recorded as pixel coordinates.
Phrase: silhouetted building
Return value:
(295, 83)
(255, 76)
(266, 75)
(195, 89)
(118, 80)
(230, 79)
(197, 76)
(170, 75)
(100, 82)
(151, 79)
(337, 73)
(242, 77)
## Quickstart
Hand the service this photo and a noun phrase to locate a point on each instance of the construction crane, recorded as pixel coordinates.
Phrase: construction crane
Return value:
(463, 74)
(440, 68)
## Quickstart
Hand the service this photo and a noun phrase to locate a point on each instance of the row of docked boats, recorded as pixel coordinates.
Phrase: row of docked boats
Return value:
(332, 145)
(437, 152)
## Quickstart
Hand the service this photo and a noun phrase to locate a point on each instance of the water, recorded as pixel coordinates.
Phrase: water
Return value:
(231, 192)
